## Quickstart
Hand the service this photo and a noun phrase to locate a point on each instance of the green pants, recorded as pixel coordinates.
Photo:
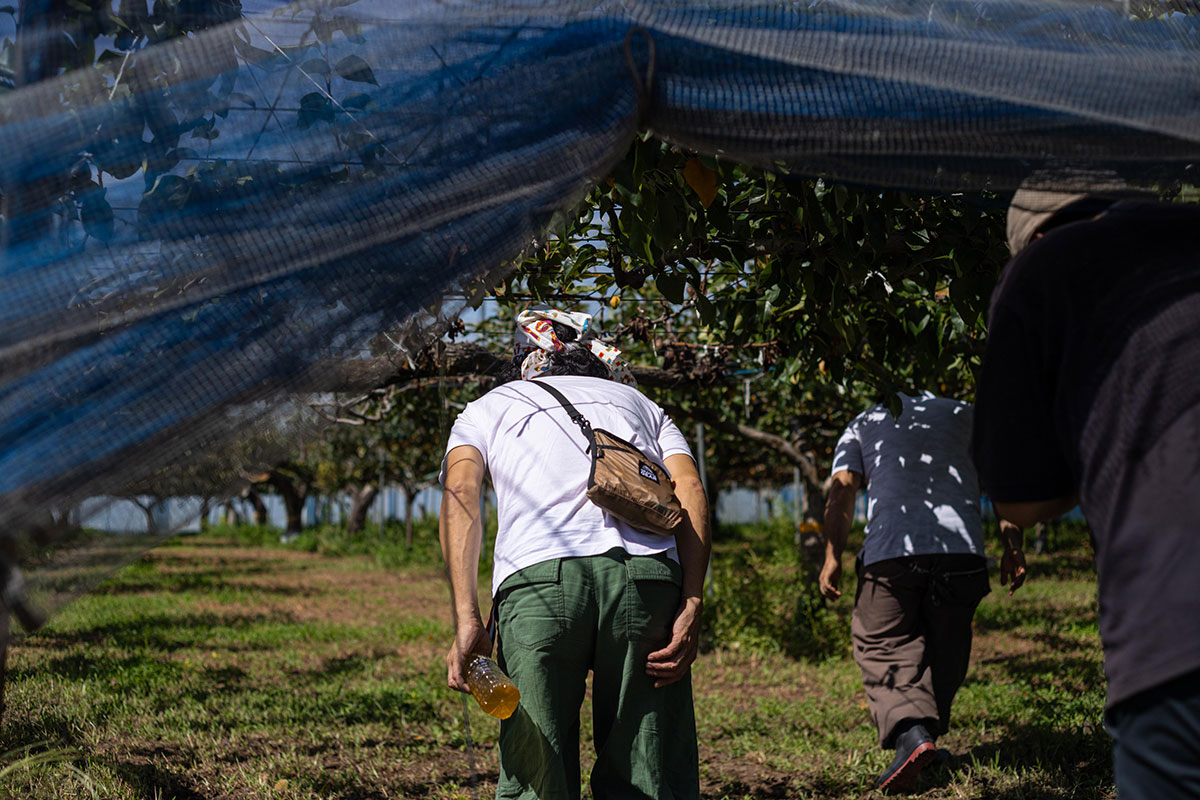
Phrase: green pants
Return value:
(559, 619)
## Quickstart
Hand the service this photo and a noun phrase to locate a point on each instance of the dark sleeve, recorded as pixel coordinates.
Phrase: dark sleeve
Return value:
(1014, 442)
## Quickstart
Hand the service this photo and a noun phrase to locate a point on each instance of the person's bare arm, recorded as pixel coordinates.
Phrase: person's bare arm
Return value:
(460, 530)
(693, 544)
(1012, 555)
(839, 517)
(1026, 515)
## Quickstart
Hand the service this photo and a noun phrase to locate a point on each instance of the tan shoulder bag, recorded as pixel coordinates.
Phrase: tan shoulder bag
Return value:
(624, 481)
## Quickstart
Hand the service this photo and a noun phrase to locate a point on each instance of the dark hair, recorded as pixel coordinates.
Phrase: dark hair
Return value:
(572, 361)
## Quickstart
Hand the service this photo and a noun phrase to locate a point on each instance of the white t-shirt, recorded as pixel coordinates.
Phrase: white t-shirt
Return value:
(922, 490)
(539, 466)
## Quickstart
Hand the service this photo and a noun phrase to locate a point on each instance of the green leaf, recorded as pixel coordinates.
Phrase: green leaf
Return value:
(707, 309)
(354, 68)
(204, 130)
(318, 66)
(96, 214)
(314, 107)
(359, 101)
(123, 169)
(671, 286)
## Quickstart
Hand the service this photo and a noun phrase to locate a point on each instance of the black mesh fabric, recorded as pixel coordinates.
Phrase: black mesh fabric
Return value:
(195, 229)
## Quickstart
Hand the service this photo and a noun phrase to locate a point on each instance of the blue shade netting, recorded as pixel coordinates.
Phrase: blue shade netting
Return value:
(215, 208)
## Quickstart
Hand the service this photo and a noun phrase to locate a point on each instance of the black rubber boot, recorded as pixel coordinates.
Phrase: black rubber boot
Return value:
(914, 752)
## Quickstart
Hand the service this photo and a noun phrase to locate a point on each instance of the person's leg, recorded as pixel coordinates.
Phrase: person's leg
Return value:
(645, 737)
(1156, 742)
(889, 646)
(961, 582)
(546, 621)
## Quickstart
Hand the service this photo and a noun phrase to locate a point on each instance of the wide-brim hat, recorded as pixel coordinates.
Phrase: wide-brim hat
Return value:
(1043, 195)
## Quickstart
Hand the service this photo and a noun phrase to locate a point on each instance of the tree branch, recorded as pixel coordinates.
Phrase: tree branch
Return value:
(458, 359)
(777, 443)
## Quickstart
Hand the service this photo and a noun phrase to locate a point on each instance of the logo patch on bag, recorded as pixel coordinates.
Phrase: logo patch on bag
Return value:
(647, 473)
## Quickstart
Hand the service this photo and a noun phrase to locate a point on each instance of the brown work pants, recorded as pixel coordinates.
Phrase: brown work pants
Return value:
(912, 636)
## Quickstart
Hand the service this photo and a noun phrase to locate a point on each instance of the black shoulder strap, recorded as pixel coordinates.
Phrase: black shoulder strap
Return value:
(572, 412)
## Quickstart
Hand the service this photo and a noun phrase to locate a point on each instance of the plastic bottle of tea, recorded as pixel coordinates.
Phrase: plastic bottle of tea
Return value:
(492, 689)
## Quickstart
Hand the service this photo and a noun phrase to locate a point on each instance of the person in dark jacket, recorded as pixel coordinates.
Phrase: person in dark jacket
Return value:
(1090, 394)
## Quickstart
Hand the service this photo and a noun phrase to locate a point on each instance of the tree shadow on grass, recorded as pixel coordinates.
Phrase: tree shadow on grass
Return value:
(1063, 567)
(1081, 669)
(175, 574)
(1079, 759)
(343, 665)
(1060, 690)
(765, 788)
(1007, 618)
(163, 632)
(56, 730)
(440, 769)
(154, 782)
(206, 583)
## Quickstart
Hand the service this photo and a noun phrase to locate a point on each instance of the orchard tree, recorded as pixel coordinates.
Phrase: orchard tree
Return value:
(394, 435)
(772, 308)
(814, 281)
(825, 298)
(293, 480)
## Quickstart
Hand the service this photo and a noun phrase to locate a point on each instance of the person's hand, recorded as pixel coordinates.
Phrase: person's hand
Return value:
(830, 578)
(672, 662)
(1012, 568)
(470, 639)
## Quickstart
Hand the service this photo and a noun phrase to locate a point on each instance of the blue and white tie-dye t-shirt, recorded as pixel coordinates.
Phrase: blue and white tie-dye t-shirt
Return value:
(922, 491)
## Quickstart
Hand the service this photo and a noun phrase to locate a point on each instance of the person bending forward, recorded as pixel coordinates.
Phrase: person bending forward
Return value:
(576, 589)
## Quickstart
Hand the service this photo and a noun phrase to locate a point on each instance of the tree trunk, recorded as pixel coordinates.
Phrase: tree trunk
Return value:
(360, 504)
(813, 507)
(261, 518)
(812, 544)
(5, 625)
(410, 499)
(232, 517)
(61, 518)
(293, 499)
(148, 511)
(205, 508)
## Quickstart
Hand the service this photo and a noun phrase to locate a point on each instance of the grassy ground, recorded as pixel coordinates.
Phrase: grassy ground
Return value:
(221, 668)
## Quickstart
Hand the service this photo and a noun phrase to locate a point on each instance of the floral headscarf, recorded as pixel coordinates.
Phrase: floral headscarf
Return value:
(535, 340)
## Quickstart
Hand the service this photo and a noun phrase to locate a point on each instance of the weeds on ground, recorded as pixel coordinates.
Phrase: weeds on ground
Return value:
(386, 546)
(208, 670)
(763, 596)
(25, 765)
